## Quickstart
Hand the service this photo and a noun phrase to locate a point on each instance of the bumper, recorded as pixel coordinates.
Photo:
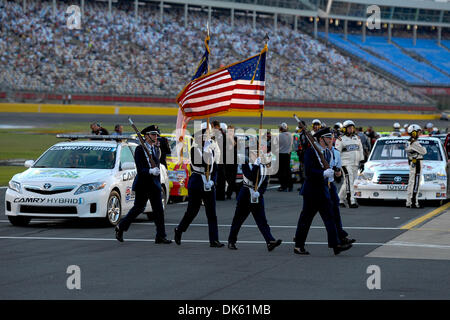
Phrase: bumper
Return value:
(86, 205)
(427, 191)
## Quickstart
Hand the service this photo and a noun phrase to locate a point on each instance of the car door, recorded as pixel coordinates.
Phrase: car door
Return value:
(126, 178)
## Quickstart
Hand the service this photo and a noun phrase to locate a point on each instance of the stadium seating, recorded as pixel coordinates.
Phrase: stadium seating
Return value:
(124, 55)
(391, 58)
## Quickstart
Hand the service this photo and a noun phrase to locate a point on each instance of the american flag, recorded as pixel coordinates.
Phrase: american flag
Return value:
(237, 86)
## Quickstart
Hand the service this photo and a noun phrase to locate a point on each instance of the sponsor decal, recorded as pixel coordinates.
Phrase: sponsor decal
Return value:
(50, 200)
(129, 194)
(83, 148)
(393, 187)
(129, 175)
(53, 173)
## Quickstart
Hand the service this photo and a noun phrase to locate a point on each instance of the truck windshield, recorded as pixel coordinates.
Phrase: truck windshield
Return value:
(394, 149)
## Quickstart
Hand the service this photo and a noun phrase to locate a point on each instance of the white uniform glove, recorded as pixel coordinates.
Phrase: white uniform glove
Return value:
(206, 146)
(256, 194)
(154, 171)
(210, 183)
(258, 161)
(329, 173)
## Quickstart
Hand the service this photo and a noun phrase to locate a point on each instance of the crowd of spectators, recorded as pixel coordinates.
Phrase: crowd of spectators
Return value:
(123, 54)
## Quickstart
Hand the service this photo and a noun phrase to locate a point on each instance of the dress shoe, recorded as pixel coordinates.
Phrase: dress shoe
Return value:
(341, 247)
(216, 244)
(347, 241)
(342, 205)
(354, 205)
(232, 246)
(419, 206)
(301, 250)
(177, 236)
(162, 240)
(282, 189)
(119, 234)
(409, 206)
(273, 244)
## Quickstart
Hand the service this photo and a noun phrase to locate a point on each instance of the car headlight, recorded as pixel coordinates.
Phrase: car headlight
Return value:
(366, 176)
(90, 187)
(13, 185)
(430, 177)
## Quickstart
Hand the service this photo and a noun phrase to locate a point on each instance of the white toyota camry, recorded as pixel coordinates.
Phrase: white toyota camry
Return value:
(386, 172)
(77, 179)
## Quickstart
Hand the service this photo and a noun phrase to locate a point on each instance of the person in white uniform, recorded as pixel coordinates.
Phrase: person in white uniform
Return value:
(352, 157)
(415, 152)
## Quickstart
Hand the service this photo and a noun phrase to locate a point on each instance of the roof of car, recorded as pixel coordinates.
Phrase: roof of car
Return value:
(407, 137)
(88, 143)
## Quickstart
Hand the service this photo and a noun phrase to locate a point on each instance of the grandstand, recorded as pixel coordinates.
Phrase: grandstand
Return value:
(321, 53)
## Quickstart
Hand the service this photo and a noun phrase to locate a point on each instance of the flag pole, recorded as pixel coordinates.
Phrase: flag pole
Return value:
(266, 39)
(207, 136)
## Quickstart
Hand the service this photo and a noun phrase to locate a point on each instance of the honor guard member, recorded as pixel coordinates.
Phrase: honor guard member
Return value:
(251, 199)
(316, 197)
(352, 157)
(334, 160)
(316, 124)
(147, 186)
(201, 188)
(415, 153)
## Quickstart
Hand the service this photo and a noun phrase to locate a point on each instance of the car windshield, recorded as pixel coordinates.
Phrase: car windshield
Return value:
(173, 145)
(395, 150)
(82, 157)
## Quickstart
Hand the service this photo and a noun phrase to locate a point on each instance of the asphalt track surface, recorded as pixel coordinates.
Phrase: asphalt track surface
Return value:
(35, 258)
(53, 119)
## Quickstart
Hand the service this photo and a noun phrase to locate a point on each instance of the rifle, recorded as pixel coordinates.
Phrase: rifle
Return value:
(325, 164)
(141, 140)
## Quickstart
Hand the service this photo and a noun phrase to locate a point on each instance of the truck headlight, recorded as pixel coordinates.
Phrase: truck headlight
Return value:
(14, 185)
(366, 176)
(90, 187)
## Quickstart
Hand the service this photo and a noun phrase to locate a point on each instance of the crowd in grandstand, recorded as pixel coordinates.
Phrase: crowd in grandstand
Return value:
(125, 55)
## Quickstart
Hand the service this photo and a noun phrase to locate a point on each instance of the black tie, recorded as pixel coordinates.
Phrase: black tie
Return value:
(327, 155)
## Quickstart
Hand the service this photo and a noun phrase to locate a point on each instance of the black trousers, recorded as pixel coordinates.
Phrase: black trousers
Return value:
(285, 170)
(230, 175)
(194, 203)
(310, 207)
(243, 209)
(140, 201)
(220, 183)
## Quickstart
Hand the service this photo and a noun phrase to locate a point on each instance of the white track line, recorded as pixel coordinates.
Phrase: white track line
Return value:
(228, 225)
(392, 243)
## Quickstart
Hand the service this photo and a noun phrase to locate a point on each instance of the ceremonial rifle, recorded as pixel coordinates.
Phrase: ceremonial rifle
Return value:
(312, 142)
(141, 140)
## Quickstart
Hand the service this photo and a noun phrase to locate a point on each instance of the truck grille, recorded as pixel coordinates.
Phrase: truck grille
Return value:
(393, 178)
(48, 209)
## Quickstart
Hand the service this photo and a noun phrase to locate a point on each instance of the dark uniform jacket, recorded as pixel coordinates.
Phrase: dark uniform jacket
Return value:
(144, 180)
(315, 184)
(195, 180)
(251, 174)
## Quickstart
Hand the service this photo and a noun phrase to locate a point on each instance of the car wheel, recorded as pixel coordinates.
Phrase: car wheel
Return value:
(113, 208)
(19, 221)
(150, 215)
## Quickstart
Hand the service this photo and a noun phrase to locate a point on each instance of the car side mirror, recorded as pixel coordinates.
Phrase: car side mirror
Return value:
(128, 166)
(28, 163)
